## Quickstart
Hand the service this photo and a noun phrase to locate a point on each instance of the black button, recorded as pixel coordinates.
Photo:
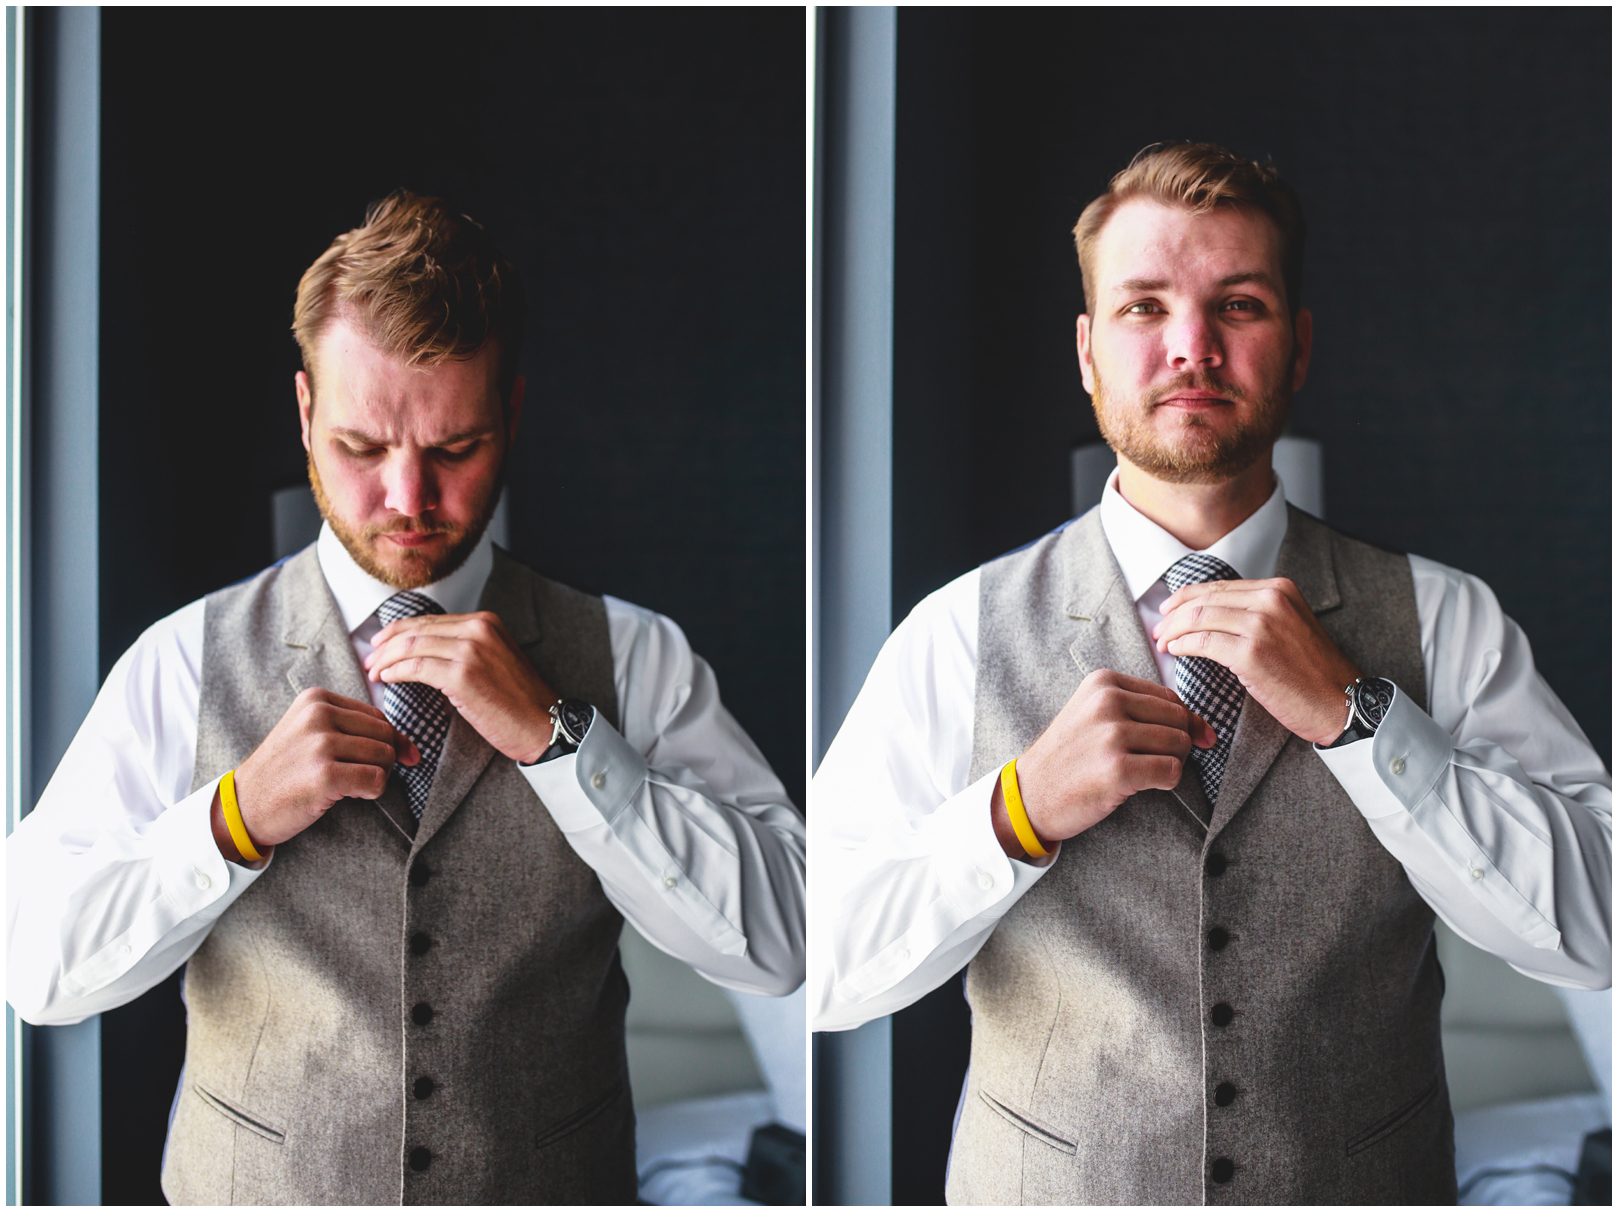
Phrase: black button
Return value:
(1217, 938)
(1215, 863)
(421, 1013)
(1222, 1014)
(420, 1157)
(423, 1087)
(1225, 1094)
(420, 943)
(1221, 1168)
(419, 875)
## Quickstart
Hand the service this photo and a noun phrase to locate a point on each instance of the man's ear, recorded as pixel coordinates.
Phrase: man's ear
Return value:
(306, 399)
(1303, 349)
(515, 406)
(1084, 349)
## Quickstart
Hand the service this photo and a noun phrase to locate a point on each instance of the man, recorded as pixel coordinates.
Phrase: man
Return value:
(389, 800)
(1200, 921)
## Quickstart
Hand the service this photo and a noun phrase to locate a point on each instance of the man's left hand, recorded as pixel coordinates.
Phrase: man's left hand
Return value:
(1263, 631)
(474, 661)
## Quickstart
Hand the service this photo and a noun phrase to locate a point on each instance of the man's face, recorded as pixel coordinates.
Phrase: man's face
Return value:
(1190, 351)
(405, 463)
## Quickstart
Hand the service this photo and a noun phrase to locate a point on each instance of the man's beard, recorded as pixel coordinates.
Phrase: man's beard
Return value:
(1202, 455)
(413, 569)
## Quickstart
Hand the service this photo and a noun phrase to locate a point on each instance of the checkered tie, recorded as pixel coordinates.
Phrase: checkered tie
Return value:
(1207, 687)
(418, 710)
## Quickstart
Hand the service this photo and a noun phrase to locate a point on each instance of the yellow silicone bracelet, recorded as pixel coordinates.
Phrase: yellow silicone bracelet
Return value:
(233, 817)
(1016, 813)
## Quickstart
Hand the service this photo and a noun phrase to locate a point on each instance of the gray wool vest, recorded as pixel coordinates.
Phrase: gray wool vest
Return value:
(1254, 982)
(474, 950)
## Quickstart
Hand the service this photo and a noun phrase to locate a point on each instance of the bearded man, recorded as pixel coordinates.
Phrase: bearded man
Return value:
(1186, 782)
(389, 799)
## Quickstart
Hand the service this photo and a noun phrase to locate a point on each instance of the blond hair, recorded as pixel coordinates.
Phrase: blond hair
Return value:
(421, 282)
(1198, 178)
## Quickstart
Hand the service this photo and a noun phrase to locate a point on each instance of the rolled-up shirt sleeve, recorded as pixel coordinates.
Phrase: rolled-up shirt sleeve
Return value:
(114, 880)
(690, 832)
(909, 875)
(1495, 802)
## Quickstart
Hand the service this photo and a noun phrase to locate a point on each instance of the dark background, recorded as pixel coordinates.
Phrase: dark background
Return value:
(646, 172)
(1454, 165)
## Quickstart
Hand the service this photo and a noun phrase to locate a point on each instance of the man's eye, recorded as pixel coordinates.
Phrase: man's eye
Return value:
(1241, 306)
(455, 454)
(360, 453)
(1143, 308)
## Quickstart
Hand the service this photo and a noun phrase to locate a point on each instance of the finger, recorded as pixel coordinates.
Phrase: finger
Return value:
(380, 729)
(445, 622)
(1143, 739)
(1152, 687)
(1227, 649)
(432, 645)
(442, 673)
(1152, 772)
(1202, 732)
(1192, 618)
(347, 703)
(345, 780)
(1155, 709)
(1232, 591)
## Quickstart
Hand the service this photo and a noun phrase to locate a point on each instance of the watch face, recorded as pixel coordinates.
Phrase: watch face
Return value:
(1373, 699)
(576, 717)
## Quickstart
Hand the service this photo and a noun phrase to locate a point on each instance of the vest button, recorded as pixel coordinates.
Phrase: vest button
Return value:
(1222, 1014)
(1221, 1169)
(1217, 938)
(1225, 1094)
(422, 1013)
(420, 1157)
(423, 1087)
(1215, 863)
(419, 875)
(420, 943)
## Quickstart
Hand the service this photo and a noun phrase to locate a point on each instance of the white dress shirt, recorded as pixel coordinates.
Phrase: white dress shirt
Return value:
(114, 880)
(1495, 803)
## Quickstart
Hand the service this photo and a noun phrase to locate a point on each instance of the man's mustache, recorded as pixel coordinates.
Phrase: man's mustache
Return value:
(1198, 383)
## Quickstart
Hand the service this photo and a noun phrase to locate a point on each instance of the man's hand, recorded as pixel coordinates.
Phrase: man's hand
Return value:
(326, 747)
(1115, 736)
(473, 660)
(1263, 631)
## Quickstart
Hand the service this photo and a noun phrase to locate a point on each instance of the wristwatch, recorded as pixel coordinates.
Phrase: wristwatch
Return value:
(1367, 699)
(571, 720)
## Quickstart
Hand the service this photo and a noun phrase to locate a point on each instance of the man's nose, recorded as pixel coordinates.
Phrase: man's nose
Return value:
(409, 485)
(1193, 342)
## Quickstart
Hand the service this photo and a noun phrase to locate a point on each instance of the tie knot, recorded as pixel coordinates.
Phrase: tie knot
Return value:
(1198, 568)
(406, 603)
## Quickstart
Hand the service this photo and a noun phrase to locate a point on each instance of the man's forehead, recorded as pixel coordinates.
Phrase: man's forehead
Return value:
(1147, 242)
(362, 387)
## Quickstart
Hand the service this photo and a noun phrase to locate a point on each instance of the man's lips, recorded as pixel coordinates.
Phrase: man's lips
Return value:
(411, 540)
(1194, 399)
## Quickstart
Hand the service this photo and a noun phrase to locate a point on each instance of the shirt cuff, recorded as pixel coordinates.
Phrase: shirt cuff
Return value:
(194, 880)
(590, 786)
(970, 865)
(1399, 771)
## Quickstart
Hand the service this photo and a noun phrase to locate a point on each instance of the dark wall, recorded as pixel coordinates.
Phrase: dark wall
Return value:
(1454, 165)
(644, 169)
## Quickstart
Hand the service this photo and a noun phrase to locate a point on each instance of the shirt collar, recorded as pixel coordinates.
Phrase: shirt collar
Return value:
(359, 594)
(1145, 551)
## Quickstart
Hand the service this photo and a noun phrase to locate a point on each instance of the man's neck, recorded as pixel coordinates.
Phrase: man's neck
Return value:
(1197, 515)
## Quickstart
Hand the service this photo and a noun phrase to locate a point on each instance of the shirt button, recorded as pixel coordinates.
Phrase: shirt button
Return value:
(670, 881)
(126, 949)
(598, 780)
(903, 955)
(1477, 872)
(203, 881)
(1399, 766)
(984, 879)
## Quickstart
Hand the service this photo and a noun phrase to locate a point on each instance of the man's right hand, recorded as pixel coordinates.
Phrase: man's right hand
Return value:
(1115, 736)
(326, 747)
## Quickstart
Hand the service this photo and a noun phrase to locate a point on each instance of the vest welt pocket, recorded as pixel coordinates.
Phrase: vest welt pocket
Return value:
(242, 1118)
(1389, 1124)
(1028, 1125)
(574, 1122)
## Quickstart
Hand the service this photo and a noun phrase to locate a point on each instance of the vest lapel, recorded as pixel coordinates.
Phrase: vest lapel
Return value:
(1110, 632)
(324, 657)
(1304, 558)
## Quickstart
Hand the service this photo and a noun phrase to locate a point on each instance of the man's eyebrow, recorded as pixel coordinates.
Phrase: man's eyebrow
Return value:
(362, 439)
(1232, 280)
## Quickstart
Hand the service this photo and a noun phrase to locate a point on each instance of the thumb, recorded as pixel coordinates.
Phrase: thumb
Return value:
(405, 749)
(1200, 731)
